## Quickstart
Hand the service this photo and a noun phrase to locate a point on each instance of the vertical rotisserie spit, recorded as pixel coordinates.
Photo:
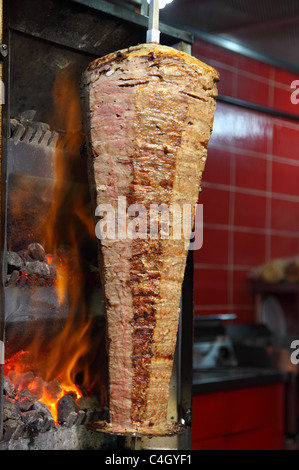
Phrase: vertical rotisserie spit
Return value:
(148, 113)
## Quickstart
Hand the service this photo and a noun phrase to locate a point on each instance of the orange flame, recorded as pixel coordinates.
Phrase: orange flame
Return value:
(51, 402)
(72, 353)
(72, 345)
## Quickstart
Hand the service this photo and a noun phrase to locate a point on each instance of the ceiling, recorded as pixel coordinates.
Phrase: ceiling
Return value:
(263, 29)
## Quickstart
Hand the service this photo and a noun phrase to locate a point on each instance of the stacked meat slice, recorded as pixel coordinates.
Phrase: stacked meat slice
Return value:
(148, 115)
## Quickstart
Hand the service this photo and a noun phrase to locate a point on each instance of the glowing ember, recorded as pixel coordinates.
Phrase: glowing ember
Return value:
(22, 379)
(16, 363)
(49, 258)
(51, 402)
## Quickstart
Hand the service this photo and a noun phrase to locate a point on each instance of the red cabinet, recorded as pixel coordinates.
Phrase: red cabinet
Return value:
(245, 419)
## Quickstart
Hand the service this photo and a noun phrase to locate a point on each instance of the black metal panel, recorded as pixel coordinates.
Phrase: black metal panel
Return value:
(34, 67)
(93, 27)
(168, 32)
(185, 348)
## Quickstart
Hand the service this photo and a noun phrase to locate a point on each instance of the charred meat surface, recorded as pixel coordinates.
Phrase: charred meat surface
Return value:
(148, 114)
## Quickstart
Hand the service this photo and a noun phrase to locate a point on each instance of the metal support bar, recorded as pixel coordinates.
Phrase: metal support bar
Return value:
(144, 8)
(153, 33)
(2, 319)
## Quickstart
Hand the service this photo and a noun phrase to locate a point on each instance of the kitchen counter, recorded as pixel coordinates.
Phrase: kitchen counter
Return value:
(232, 378)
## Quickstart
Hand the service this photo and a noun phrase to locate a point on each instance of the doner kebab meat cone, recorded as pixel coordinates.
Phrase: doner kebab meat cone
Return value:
(148, 114)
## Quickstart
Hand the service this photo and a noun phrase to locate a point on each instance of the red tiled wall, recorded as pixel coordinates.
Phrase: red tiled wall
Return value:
(250, 188)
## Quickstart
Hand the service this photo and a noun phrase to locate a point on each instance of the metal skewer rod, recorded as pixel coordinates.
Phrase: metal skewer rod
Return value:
(153, 33)
(135, 443)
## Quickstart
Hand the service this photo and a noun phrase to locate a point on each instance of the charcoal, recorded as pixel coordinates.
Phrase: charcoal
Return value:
(19, 431)
(30, 416)
(7, 386)
(25, 404)
(42, 409)
(25, 400)
(27, 115)
(71, 419)
(91, 407)
(22, 279)
(41, 281)
(10, 409)
(9, 428)
(33, 421)
(26, 394)
(23, 380)
(48, 423)
(13, 429)
(65, 406)
(88, 403)
(37, 386)
(14, 262)
(13, 278)
(35, 280)
(24, 255)
(48, 281)
(13, 375)
(81, 417)
(37, 267)
(14, 123)
(52, 267)
(45, 414)
(53, 388)
(89, 416)
(72, 394)
(37, 251)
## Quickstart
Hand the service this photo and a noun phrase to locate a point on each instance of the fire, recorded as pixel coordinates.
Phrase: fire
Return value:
(49, 258)
(16, 362)
(71, 355)
(16, 368)
(69, 350)
(51, 402)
